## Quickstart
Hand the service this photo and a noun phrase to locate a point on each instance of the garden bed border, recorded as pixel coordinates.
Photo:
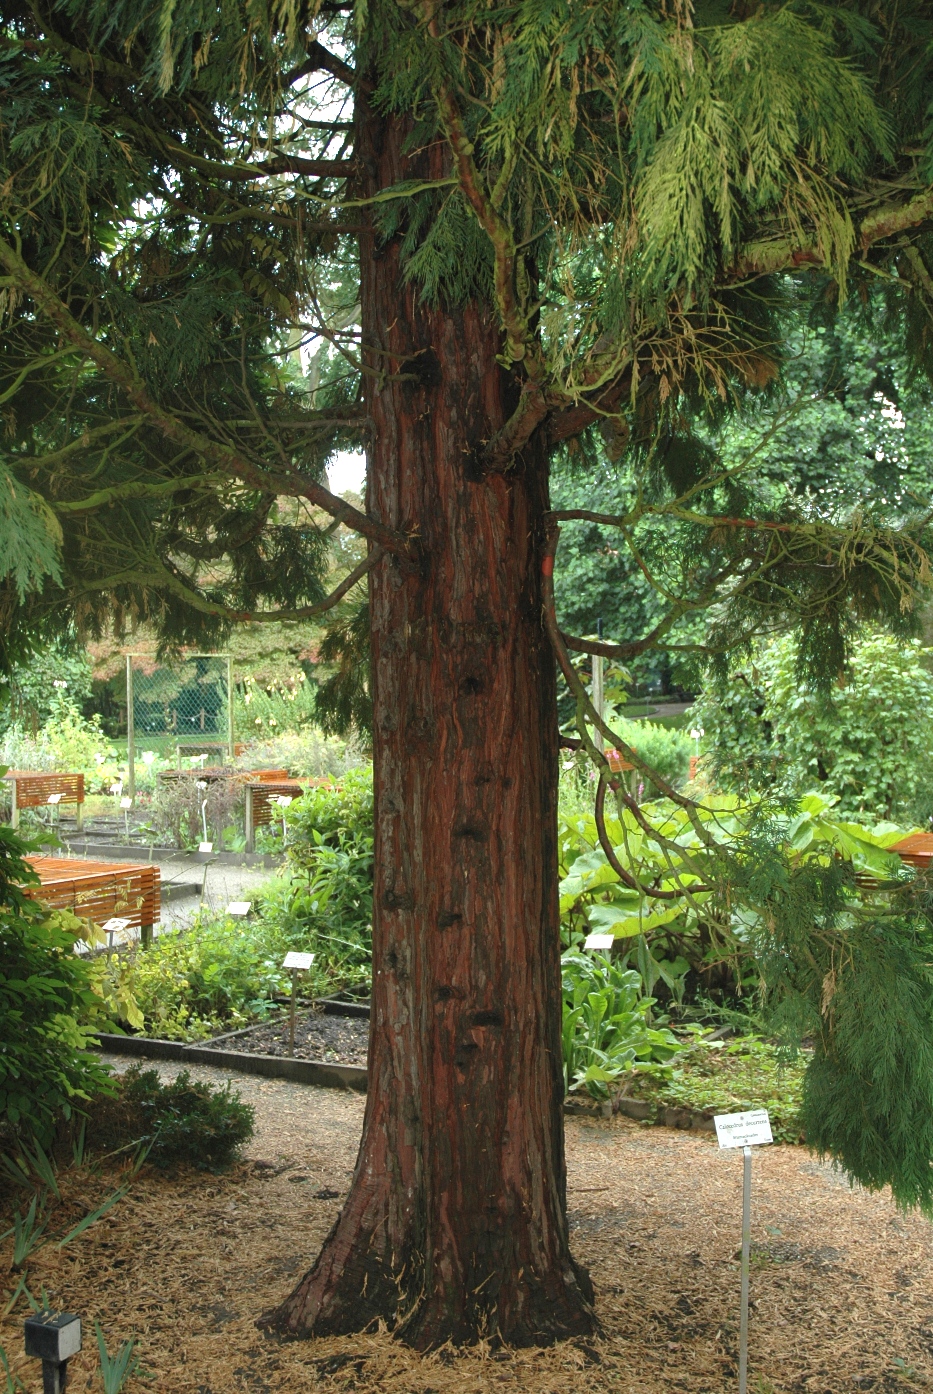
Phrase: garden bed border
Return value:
(319, 1072)
(142, 851)
(327, 1075)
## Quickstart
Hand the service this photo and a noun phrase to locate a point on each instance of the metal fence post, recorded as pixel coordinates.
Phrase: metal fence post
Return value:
(130, 730)
(230, 734)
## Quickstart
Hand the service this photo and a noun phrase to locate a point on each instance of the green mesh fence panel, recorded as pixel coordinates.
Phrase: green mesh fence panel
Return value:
(179, 710)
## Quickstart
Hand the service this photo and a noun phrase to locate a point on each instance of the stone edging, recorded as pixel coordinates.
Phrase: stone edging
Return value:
(662, 1115)
(316, 1072)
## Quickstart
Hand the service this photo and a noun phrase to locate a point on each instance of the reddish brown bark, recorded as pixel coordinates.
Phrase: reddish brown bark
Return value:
(455, 1223)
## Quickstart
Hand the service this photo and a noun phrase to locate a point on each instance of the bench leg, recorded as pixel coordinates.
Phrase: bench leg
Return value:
(250, 826)
(145, 936)
(79, 816)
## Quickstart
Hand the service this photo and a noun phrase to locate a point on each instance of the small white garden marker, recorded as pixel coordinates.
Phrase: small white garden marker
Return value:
(205, 846)
(54, 798)
(239, 909)
(599, 941)
(114, 926)
(298, 963)
(745, 1130)
(283, 801)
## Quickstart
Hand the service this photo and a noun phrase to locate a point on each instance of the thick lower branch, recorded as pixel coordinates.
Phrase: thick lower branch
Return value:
(233, 461)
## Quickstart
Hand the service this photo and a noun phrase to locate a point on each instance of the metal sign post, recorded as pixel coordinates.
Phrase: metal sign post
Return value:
(746, 1254)
(745, 1130)
(298, 963)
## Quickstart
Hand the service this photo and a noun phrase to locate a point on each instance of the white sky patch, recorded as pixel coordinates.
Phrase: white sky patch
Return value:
(347, 472)
(890, 411)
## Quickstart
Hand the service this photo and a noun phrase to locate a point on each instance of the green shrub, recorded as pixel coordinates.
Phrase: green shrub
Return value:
(182, 1121)
(346, 806)
(306, 753)
(868, 742)
(665, 749)
(51, 1007)
(325, 906)
(30, 693)
(215, 976)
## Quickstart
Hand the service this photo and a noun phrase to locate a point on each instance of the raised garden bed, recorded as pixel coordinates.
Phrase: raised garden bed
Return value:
(319, 1035)
(351, 1023)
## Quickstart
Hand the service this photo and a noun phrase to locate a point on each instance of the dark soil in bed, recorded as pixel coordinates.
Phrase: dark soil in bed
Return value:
(318, 1036)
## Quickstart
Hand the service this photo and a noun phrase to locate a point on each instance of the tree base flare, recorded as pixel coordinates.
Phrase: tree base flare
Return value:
(350, 1289)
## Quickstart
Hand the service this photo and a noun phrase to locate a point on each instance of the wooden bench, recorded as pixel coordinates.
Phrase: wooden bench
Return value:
(35, 789)
(261, 796)
(99, 891)
(916, 850)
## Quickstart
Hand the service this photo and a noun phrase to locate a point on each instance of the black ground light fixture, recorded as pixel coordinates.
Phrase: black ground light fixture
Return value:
(53, 1338)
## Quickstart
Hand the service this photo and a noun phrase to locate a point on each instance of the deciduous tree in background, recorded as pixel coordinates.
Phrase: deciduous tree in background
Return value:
(511, 227)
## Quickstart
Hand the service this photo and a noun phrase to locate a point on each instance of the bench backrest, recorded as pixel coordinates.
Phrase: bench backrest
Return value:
(98, 891)
(33, 788)
(262, 794)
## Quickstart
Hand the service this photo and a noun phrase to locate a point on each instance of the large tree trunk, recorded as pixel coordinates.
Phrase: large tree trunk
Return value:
(455, 1224)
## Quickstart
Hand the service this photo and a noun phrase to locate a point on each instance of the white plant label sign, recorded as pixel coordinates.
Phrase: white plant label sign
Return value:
(599, 941)
(54, 798)
(749, 1129)
(114, 926)
(297, 960)
(205, 846)
(239, 908)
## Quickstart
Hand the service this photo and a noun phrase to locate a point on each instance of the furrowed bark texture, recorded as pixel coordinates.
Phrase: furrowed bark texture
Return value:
(455, 1223)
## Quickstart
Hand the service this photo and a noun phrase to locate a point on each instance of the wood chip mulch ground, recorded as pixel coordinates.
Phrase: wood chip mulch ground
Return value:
(842, 1284)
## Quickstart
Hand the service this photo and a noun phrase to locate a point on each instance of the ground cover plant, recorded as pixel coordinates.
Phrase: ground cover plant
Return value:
(217, 975)
(729, 1076)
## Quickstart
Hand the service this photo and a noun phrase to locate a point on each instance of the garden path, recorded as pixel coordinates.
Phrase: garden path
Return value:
(842, 1284)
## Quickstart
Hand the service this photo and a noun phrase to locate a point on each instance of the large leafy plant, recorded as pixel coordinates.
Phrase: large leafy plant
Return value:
(606, 1027)
(838, 933)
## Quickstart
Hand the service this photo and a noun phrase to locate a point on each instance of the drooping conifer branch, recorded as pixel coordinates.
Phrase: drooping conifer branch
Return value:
(587, 713)
(164, 577)
(285, 481)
